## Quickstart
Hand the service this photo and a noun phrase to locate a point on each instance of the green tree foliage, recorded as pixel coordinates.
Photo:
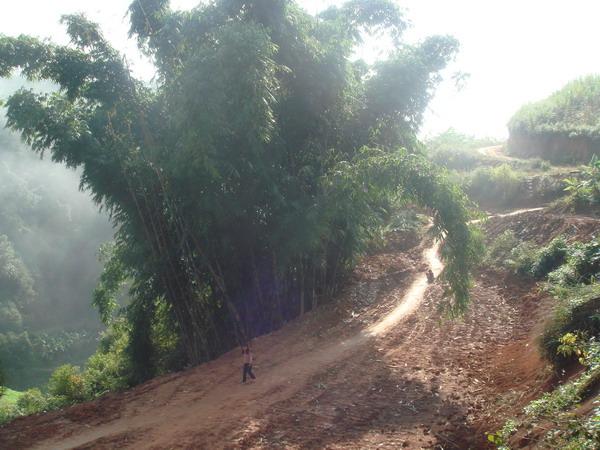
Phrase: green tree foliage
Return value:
(574, 110)
(55, 230)
(16, 291)
(16, 287)
(246, 182)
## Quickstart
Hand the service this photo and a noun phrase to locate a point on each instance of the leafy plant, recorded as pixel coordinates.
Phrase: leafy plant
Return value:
(32, 401)
(67, 385)
(549, 257)
(109, 369)
(576, 311)
(500, 250)
(500, 438)
(582, 264)
(7, 413)
(585, 189)
(573, 344)
(523, 257)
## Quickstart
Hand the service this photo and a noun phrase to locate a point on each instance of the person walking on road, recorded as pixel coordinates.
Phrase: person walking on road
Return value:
(430, 276)
(248, 358)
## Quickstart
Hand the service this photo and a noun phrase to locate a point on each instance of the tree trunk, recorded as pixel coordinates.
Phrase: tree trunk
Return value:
(301, 282)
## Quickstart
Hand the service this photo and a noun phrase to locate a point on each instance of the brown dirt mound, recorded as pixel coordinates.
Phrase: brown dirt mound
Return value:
(543, 226)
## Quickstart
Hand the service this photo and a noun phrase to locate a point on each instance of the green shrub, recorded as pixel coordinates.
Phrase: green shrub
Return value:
(578, 310)
(527, 259)
(565, 275)
(498, 185)
(573, 391)
(549, 258)
(500, 249)
(104, 373)
(585, 258)
(169, 351)
(21, 403)
(551, 403)
(585, 189)
(572, 334)
(522, 258)
(32, 401)
(67, 385)
(573, 344)
(545, 166)
(457, 159)
(582, 264)
(7, 413)
(59, 401)
(531, 165)
(109, 369)
(500, 438)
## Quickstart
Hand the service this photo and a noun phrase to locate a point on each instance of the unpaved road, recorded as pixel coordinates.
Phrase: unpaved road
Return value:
(375, 369)
(496, 152)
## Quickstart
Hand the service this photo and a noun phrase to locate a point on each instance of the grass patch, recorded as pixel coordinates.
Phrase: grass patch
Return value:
(9, 397)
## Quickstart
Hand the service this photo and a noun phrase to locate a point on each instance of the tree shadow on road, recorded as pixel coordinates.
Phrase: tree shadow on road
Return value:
(366, 400)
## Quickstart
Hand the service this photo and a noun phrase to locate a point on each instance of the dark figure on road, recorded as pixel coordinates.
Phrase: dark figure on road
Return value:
(247, 364)
(430, 276)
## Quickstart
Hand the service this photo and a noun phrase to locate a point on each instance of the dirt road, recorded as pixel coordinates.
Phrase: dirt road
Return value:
(495, 152)
(375, 369)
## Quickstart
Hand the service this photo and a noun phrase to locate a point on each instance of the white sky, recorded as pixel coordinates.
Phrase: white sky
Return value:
(515, 51)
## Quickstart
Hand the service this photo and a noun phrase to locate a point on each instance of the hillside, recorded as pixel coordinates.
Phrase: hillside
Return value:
(51, 232)
(268, 188)
(563, 128)
(375, 368)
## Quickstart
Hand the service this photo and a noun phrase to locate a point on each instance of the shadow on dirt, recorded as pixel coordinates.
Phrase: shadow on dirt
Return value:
(364, 401)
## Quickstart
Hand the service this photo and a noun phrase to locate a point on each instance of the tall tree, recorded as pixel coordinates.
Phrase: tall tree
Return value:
(250, 177)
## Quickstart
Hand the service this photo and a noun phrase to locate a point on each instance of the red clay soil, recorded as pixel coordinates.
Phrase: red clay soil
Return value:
(543, 226)
(328, 380)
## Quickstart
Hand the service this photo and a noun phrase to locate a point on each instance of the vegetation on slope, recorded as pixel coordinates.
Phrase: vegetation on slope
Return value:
(457, 151)
(494, 182)
(564, 128)
(572, 336)
(574, 110)
(49, 235)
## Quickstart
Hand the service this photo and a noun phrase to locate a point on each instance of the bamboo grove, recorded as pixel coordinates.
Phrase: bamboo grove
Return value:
(246, 179)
